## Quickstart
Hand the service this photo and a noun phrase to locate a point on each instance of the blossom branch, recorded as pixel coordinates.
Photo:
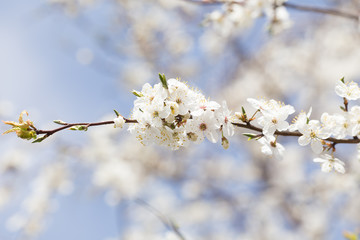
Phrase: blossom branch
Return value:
(354, 140)
(328, 11)
(83, 126)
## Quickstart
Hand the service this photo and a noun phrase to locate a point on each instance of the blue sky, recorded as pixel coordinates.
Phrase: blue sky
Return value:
(39, 72)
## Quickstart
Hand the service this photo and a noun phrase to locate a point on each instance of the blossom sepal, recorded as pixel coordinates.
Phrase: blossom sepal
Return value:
(163, 81)
(40, 139)
(252, 136)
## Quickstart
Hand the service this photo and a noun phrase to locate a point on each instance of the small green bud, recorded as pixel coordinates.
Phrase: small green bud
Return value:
(136, 93)
(163, 80)
(117, 113)
(60, 122)
(225, 142)
(79, 128)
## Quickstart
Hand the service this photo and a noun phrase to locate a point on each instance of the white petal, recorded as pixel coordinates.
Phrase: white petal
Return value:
(320, 160)
(339, 168)
(212, 136)
(266, 150)
(316, 146)
(303, 140)
(326, 166)
(283, 125)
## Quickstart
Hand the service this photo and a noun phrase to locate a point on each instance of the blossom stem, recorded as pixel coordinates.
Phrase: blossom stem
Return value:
(296, 134)
(346, 103)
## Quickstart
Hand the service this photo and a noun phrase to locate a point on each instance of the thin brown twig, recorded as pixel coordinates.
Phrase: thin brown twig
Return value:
(69, 125)
(296, 134)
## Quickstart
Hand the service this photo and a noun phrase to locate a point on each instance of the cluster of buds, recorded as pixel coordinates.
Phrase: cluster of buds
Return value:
(23, 129)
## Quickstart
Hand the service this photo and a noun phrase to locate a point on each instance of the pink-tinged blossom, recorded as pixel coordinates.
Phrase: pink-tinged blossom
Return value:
(224, 116)
(329, 162)
(313, 133)
(204, 105)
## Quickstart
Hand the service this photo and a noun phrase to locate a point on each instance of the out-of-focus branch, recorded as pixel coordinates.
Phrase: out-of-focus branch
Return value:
(328, 11)
(305, 8)
(165, 220)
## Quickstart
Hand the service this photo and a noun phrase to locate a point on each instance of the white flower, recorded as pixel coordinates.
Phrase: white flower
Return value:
(348, 90)
(119, 122)
(271, 148)
(263, 104)
(313, 133)
(183, 96)
(354, 116)
(205, 124)
(300, 120)
(203, 105)
(273, 120)
(224, 116)
(273, 116)
(337, 125)
(329, 162)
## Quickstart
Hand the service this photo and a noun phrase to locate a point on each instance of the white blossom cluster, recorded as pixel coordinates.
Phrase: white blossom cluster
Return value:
(241, 14)
(174, 115)
(314, 132)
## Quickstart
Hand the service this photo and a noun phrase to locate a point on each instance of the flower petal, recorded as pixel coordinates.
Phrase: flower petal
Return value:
(316, 146)
(303, 140)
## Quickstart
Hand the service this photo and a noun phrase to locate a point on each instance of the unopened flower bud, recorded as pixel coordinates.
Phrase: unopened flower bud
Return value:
(192, 136)
(225, 142)
(23, 129)
(241, 116)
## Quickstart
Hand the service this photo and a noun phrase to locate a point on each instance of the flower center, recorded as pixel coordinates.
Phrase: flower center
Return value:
(313, 134)
(203, 127)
